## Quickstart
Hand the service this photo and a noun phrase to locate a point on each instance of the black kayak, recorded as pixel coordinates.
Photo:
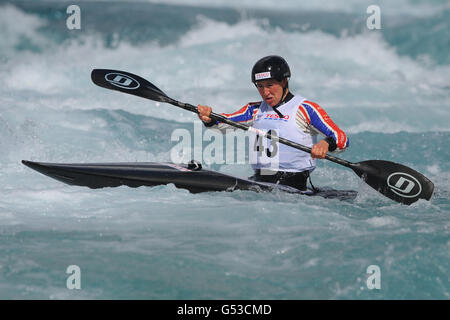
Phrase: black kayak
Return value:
(191, 177)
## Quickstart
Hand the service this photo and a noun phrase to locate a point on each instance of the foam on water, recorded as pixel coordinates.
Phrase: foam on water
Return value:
(164, 243)
(364, 76)
(418, 8)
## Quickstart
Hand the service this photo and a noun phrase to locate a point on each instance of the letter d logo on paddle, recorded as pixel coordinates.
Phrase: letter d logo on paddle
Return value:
(122, 81)
(404, 185)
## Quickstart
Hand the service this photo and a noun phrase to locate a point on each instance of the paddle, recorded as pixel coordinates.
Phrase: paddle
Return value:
(395, 181)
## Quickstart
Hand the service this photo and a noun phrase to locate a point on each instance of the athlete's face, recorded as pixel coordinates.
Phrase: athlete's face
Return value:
(271, 91)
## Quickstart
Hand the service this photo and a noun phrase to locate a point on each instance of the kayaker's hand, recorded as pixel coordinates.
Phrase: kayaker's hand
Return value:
(319, 150)
(204, 112)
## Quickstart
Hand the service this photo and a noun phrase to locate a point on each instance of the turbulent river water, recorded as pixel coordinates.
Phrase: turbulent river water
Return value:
(388, 89)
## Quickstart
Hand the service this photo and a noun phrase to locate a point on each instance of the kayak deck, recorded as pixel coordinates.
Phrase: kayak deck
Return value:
(138, 174)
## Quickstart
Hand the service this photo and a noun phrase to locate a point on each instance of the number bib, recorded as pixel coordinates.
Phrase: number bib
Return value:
(269, 154)
(264, 152)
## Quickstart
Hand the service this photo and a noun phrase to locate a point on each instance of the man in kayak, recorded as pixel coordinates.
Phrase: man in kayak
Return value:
(289, 116)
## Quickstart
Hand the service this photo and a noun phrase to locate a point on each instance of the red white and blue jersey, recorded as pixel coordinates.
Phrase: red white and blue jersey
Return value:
(310, 117)
(244, 115)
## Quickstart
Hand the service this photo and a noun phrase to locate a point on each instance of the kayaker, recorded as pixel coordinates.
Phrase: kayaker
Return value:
(292, 117)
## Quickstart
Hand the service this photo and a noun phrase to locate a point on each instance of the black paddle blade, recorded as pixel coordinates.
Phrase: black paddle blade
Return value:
(395, 181)
(129, 83)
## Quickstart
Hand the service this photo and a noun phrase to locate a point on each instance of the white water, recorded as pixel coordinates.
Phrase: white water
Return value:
(164, 243)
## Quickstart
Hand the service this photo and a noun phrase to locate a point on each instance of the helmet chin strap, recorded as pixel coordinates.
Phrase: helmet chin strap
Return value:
(283, 98)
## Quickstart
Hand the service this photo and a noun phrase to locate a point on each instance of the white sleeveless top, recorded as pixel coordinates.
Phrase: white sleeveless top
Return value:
(270, 155)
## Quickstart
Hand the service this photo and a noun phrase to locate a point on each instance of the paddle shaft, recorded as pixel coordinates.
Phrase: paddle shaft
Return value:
(242, 126)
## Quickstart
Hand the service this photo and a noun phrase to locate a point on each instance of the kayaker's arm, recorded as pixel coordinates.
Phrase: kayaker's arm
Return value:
(310, 116)
(244, 115)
